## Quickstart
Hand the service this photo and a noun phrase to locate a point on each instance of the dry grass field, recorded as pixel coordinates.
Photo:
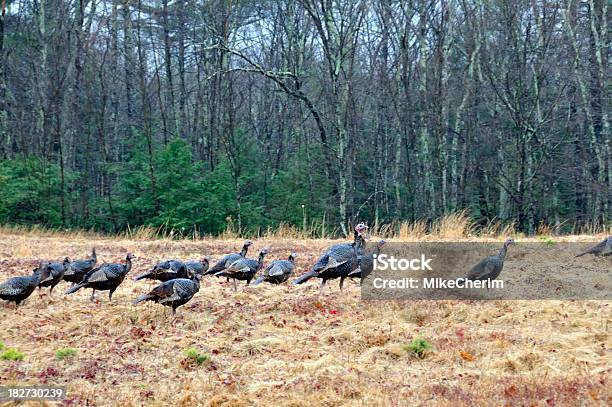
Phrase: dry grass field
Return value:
(283, 346)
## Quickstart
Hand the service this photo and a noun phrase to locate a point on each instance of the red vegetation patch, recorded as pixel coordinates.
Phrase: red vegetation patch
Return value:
(47, 373)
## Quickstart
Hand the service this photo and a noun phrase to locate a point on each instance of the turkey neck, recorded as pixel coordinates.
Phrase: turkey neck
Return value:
(260, 261)
(244, 250)
(359, 242)
(94, 257)
(36, 277)
(502, 251)
(128, 265)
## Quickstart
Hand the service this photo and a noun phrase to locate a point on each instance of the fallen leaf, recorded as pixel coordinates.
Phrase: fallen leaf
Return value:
(318, 305)
(467, 356)
(510, 391)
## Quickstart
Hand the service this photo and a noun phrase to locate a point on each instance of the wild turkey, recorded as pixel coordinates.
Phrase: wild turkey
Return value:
(52, 273)
(366, 262)
(17, 289)
(198, 266)
(173, 293)
(165, 270)
(78, 268)
(338, 261)
(244, 269)
(107, 277)
(278, 271)
(490, 267)
(229, 259)
(603, 248)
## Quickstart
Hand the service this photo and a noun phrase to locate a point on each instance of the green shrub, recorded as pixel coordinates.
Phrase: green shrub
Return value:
(418, 347)
(548, 241)
(197, 357)
(1, 345)
(12, 354)
(64, 353)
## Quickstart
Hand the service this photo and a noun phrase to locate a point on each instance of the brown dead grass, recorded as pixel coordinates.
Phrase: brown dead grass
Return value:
(284, 346)
(456, 225)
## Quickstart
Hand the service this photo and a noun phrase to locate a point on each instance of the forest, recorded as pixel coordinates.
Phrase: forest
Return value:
(198, 116)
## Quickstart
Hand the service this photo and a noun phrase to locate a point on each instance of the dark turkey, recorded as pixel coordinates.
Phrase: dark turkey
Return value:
(490, 267)
(78, 268)
(198, 266)
(244, 269)
(52, 273)
(365, 263)
(17, 289)
(603, 248)
(107, 277)
(278, 271)
(229, 259)
(338, 261)
(173, 293)
(165, 270)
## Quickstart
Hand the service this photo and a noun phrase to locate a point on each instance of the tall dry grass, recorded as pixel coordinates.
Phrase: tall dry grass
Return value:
(42, 231)
(317, 229)
(417, 229)
(143, 233)
(456, 225)
(285, 231)
(496, 228)
(591, 228)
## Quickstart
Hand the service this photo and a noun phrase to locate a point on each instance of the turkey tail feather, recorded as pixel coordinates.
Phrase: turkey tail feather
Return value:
(214, 269)
(74, 288)
(259, 280)
(142, 298)
(305, 277)
(143, 276)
